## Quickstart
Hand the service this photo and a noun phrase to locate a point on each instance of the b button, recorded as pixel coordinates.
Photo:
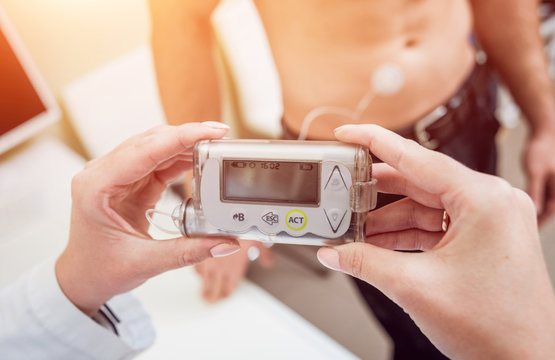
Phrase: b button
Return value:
(296, 220)
(238, 216)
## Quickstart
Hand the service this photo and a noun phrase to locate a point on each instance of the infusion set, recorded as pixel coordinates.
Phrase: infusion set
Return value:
(279, 191)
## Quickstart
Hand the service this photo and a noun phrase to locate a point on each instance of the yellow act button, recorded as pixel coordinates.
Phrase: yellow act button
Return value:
(296, 220)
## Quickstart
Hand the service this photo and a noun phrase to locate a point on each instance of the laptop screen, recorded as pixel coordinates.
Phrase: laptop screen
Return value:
(19, 100)
(27, 106)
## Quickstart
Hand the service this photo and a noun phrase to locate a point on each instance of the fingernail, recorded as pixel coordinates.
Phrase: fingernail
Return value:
(253, 253)
(343, 127)
(215, 125)
(222, 250)
(329, 258)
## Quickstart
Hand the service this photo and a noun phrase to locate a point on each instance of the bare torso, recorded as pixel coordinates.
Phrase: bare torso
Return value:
(327, 50)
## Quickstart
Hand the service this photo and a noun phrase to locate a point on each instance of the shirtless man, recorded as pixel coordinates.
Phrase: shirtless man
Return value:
(326, 52)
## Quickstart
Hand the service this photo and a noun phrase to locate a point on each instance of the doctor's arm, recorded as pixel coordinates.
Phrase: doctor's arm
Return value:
(47, 313)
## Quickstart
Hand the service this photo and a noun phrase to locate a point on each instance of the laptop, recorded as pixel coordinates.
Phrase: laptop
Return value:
(27, 106)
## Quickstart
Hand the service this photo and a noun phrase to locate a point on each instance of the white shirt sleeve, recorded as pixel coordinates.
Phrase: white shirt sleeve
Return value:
(37, 321)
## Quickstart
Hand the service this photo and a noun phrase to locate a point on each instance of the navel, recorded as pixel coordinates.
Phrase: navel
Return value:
(411, 42)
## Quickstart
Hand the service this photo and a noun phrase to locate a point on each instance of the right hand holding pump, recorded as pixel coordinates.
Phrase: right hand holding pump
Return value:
(480, 289)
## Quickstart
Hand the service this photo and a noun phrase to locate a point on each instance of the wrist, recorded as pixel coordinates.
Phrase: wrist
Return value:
(542, 134)
(76, 285)
(545, 128)
(542, 120)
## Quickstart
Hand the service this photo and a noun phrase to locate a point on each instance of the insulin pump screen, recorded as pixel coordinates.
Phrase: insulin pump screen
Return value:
(271, 181)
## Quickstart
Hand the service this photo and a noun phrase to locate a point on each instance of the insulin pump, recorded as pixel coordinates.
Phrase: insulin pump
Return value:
(279, 191)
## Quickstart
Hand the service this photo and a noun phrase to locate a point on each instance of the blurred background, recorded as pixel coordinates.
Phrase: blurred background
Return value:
(68, 39)
(94, 56)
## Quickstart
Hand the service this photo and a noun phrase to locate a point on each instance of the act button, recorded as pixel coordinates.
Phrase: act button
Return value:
(296, 220)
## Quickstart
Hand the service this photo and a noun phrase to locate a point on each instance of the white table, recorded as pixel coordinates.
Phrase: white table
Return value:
(251, 324)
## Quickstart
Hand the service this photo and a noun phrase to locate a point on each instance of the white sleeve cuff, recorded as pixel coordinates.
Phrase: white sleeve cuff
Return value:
(79, 333)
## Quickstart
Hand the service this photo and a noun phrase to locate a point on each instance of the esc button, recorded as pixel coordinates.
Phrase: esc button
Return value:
(271, 218)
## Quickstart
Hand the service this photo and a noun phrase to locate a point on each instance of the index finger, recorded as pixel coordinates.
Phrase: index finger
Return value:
(140, 155)
(432, 171)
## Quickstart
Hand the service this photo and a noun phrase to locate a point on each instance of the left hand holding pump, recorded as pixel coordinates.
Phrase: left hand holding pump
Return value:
(109, 250)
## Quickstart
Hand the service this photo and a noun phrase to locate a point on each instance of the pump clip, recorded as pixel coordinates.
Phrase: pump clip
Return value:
(363, 196)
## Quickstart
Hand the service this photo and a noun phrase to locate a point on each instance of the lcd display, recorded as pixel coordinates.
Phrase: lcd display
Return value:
(19, 101)
(271, 181)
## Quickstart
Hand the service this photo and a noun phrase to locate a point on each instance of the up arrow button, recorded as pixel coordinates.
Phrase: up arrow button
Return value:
(336, 181)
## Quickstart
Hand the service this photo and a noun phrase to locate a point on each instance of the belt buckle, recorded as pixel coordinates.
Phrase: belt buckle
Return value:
(421, 126)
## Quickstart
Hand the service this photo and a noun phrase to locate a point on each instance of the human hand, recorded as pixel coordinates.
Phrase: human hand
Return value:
(482, 289)
(539, 164)
(221, 276)
(109, 250)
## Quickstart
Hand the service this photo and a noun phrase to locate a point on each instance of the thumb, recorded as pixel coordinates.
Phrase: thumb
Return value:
(164, 255)
(536, 188)
(379, 267)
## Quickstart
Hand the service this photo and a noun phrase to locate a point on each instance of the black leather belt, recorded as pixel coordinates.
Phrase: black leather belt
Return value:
(440, 125)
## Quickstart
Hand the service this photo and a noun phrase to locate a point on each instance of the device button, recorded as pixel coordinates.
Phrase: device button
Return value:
(296, 220)
(335, 218)
(336, 181)
(239, 216)
(271, 218)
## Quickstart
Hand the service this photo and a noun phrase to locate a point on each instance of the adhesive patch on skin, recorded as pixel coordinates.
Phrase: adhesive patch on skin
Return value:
(388, 79)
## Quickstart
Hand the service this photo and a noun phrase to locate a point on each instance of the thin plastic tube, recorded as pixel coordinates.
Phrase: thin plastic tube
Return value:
(387, 80)
(148, 215)
(319, 111)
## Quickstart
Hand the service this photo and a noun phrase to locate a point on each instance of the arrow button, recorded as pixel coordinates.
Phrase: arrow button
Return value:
(336, 181)
(335, 218)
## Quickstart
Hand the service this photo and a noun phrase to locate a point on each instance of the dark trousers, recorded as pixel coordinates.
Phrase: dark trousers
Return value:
(474, 146)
